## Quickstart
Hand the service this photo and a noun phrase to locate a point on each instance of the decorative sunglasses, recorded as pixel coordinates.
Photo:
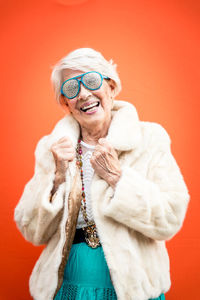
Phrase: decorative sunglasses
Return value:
(91, 80)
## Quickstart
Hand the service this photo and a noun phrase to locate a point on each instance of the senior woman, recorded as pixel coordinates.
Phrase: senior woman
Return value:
(105, 195)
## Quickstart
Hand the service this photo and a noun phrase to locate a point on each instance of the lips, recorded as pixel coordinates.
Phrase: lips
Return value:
(89, 105)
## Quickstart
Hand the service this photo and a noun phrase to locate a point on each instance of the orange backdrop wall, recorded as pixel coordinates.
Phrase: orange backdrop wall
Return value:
(156, 47)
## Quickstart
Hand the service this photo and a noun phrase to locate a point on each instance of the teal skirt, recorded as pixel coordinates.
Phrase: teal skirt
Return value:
(87, 276)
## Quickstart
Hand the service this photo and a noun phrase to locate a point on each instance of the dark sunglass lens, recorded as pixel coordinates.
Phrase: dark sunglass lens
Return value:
(92, 80)
(70, 88)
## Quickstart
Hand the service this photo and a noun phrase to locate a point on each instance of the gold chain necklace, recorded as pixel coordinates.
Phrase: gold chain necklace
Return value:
(90, 231)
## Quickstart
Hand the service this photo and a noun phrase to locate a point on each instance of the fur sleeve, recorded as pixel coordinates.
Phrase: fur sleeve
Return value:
(36, 217)
(156, 204)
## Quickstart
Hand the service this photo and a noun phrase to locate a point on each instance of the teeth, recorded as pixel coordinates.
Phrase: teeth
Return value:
(89, 106)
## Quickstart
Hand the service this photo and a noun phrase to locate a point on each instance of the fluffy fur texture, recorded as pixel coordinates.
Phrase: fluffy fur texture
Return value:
(146, 208)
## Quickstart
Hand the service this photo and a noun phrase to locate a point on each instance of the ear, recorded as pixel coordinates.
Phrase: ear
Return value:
(64, 104)
(112, 86)
(63, 101)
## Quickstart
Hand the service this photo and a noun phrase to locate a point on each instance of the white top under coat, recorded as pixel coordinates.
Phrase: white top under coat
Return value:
(88, 172)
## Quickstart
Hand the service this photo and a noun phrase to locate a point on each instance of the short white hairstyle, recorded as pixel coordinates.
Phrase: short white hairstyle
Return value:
(85, 60)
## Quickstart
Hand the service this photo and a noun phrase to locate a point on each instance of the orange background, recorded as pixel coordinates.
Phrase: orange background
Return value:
(156, 47)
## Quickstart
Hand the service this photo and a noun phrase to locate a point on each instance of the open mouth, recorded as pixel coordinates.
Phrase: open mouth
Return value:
(91, 106)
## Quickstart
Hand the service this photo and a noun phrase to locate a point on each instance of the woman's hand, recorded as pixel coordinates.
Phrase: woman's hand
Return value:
(105, 162)
(63, 152)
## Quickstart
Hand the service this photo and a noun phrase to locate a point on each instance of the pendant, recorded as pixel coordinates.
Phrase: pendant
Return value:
(91, 236)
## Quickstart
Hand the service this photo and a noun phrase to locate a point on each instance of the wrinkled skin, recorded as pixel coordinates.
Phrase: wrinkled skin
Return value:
(93, 127)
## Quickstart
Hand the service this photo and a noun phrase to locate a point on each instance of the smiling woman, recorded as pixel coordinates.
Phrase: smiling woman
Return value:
(91, 108)
(106, 193)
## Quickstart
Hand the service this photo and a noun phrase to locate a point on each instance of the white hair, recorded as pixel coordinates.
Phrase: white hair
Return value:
(85, 60)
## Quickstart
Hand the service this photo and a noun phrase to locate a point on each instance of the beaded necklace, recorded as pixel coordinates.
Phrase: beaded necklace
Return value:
(90, 231)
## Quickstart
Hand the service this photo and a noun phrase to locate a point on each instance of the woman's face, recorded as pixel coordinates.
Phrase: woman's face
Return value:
(104, 96)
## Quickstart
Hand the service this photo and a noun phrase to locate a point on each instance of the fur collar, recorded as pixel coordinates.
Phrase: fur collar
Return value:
(124, 133)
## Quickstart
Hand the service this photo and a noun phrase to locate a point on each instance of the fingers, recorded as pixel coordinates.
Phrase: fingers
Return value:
(63, 150)
(65, 137)
(104, 147)
(96, 155)
(65, 140)
(63, 156)
(100, 150)
(64, 145)
(105, 143)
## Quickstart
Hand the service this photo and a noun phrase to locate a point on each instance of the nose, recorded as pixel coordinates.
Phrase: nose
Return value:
(84, 92)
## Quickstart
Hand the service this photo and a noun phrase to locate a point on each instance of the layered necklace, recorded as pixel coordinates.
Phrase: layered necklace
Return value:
(90, 232)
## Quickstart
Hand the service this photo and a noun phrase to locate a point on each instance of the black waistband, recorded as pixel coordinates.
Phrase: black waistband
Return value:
(79, 236)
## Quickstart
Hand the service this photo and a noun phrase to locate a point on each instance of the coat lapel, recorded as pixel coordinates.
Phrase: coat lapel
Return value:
(124, 133)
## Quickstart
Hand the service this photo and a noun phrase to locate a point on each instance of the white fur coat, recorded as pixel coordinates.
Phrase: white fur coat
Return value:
(147, 207)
